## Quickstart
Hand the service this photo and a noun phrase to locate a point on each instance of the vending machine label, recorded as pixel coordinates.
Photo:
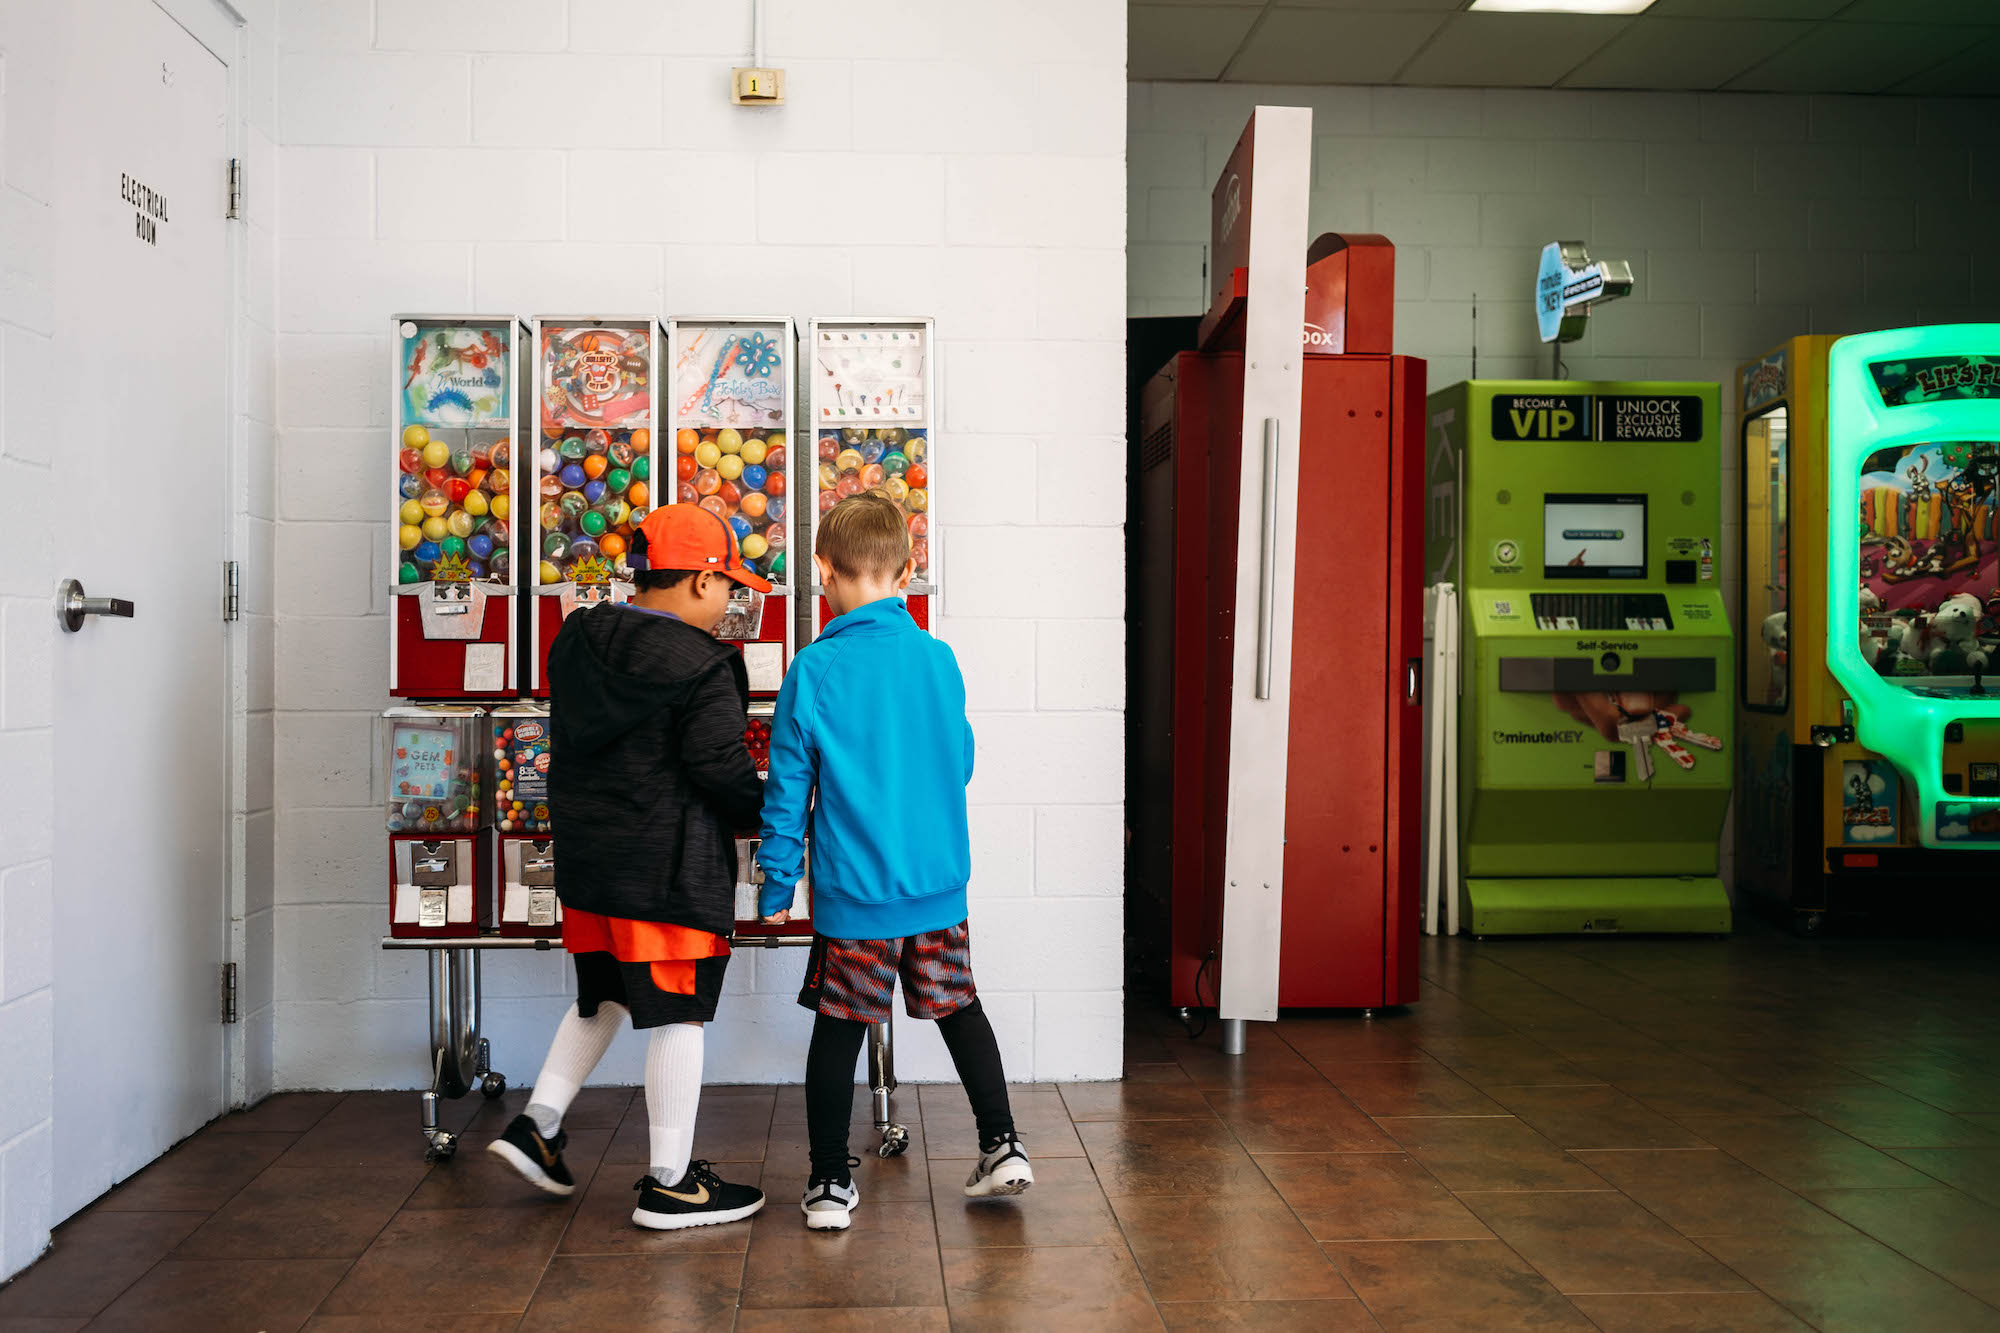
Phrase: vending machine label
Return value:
(1869, 800)
(869, 375)
(593, 376)
(485, 668)
(541, 907)
(433, 907)
(423, 762)
(455, 376)
(730, 377)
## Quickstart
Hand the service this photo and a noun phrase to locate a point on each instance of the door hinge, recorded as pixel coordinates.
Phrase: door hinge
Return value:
(229, 992)
(232, 591)
(235, 187)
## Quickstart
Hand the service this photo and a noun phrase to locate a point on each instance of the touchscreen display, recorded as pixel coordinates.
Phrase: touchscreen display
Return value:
(1594, 536)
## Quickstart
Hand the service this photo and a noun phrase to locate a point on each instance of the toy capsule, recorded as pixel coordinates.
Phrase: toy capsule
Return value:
(415, 437)
(829, 448)
(686, 439)
(849, 461)
(595, 466)
(730, 466)
(754, 450)
(919, 500)
(714, 505)
(572, 447)
(707, 481)
(638, 493)
(642, 440)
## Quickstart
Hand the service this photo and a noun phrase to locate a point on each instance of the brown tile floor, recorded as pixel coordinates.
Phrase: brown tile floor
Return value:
(1758, 1133)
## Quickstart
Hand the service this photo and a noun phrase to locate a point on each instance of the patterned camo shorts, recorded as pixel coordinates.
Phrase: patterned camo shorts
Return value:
(856, 979)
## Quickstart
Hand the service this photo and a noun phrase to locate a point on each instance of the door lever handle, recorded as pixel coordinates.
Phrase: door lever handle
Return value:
(72, 606)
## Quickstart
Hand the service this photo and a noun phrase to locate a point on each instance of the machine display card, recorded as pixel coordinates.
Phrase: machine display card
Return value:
(455, 376)
(594, 376)
(485, 668)
(764, 664)
(423, 762)
(1869, 800)
(871, 375)
(729, 377)
(1962, 821)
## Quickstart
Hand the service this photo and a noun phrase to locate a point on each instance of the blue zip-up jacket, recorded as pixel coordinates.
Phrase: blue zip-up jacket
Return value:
(870, 754)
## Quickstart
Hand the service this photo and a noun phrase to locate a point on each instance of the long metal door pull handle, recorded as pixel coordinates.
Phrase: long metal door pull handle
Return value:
(72, 607)
(1267, 563)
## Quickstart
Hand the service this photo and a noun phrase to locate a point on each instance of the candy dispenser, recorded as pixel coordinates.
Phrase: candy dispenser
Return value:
(871, 387)
(525, 848)
(459, 389)
(731, 416)
(435, 774)
(596, 401)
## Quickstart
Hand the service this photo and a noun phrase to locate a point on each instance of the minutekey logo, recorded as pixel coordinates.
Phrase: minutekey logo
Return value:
(1537, 737)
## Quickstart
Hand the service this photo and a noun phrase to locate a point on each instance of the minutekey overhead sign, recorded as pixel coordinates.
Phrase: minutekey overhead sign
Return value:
(1568, 284)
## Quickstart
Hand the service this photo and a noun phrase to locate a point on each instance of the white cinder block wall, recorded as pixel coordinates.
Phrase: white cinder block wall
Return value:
(1747, 218)
(960, 161)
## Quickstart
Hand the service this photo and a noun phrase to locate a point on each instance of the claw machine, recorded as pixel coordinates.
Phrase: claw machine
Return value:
(459, 392)
(596, 399)
(870, 389)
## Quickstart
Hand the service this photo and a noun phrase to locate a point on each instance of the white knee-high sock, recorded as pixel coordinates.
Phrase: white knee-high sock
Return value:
(673, 1094)
(580, 1043)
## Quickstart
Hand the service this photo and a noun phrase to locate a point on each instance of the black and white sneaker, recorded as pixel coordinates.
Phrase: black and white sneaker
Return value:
(1002, 1169)
(700, 1198)
(829, 1199)
(536, 1158)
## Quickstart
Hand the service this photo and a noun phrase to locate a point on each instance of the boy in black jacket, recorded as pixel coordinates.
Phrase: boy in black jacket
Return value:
(648, 780)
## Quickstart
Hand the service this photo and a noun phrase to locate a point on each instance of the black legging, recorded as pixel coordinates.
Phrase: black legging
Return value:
(836, 1044)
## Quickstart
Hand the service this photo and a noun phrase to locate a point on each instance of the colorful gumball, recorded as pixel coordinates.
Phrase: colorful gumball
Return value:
(457, 489)
(409, 486)
(730, 466)
(827, 500)
(411, 460)
(453, 547)
(415, 437)
(849, 460)
(408, 573)
(436, 476)
(500, 455)
(622, 454)
(778, 565)
(685, 467)
(583, 548)
(500, 563)
(754, 546)
(850, 484)
(551, 516)
(754, 450)
(437, 454)
(707, 453)
(613, 545)
(497, 482)
(852, 435)
(919, 500)
(715, 506)
(776, 509)
(477, 477)
(829, 476)
(871, 476)
(707, 481)
(461, 461)
(829, 448)
(741, 526)
(551, 487)
(918, 476)
(480, 545)
(501, 507)
(408, 535)
(774, 461)
(410, 513)
(593, 523)
(434, 501)
(775, 535)
(890, 435)
(616, 480)
(896, 489)
(686, 440)
(895, 463)
(573, 503)
(598, 441)
(754, 477)
(556, 545)
(615, 511)
(642, 440)
(754, 503)
(550, 461)
(920, 552)
(642, 468)
(920, 525)
(573, 447)
(460, 523)
(596, 466)
(550, 574)
(434, 528)
(774, 482)
(774, 439)
(426, 552)
(685, 493)
(731, 493)
(593, 491)
(573, 476)
(638, 493)
(476, 503)
(729, 440)
(871, 451)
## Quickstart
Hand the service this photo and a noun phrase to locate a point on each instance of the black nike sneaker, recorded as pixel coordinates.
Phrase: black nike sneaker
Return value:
(538, 1159)
(700, 1198)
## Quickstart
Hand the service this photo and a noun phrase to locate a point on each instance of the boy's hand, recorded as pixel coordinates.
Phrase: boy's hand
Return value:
(778, 918)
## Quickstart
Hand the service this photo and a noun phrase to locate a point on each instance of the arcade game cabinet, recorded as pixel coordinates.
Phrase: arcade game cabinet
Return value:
(1579, 522)
(1830, 823)
(1348, 935)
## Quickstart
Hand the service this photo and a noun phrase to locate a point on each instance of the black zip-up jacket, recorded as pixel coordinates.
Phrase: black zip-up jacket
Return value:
(648, 775)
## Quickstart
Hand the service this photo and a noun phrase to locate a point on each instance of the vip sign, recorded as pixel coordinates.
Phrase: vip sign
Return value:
(1568, 284)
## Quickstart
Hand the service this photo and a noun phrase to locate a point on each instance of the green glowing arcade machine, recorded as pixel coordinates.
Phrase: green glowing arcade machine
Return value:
(1913, 610)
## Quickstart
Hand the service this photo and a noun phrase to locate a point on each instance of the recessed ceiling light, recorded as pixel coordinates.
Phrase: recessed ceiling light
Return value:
(1562, 6)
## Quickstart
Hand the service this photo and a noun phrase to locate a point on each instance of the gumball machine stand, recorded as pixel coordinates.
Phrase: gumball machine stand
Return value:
(871, 387)
(590, 477)
(459, 389)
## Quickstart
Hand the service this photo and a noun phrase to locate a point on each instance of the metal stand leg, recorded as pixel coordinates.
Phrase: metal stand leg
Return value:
(882, 1088)
(1235, 1035)
(459, 1055)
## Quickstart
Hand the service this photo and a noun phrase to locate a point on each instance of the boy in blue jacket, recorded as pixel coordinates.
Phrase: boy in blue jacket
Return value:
(890, 851)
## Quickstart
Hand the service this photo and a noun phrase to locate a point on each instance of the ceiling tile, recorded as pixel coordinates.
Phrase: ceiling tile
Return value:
(1973, 72)
(1748, 9)
(1509, 50)
(1921, 11)
(1331, 46)
(1684, 53)
(1184, 41)
(1855, 58)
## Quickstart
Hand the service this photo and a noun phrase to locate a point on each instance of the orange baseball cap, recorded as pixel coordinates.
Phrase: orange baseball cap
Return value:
(690, 537)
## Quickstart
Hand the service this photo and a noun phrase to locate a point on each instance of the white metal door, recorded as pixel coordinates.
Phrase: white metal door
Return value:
(141, 365)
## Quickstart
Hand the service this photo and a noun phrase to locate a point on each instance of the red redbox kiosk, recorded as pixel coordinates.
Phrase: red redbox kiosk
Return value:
(1348, 936)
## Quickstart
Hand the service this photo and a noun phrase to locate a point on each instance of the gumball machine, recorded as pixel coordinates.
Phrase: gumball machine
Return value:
(596, 402)
(731, 415)
(524, 852)
(434, 762)
(870, 389)
(460, 391)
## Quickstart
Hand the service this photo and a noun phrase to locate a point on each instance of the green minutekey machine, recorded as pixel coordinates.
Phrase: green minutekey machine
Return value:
(1913, 570)
(1579, 522)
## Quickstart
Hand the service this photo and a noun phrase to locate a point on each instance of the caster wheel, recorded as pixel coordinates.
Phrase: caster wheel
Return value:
(895, 1142)
(441, 1152)
(492, 1086)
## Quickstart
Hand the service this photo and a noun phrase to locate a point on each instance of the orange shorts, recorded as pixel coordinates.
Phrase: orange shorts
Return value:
(672, 950)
